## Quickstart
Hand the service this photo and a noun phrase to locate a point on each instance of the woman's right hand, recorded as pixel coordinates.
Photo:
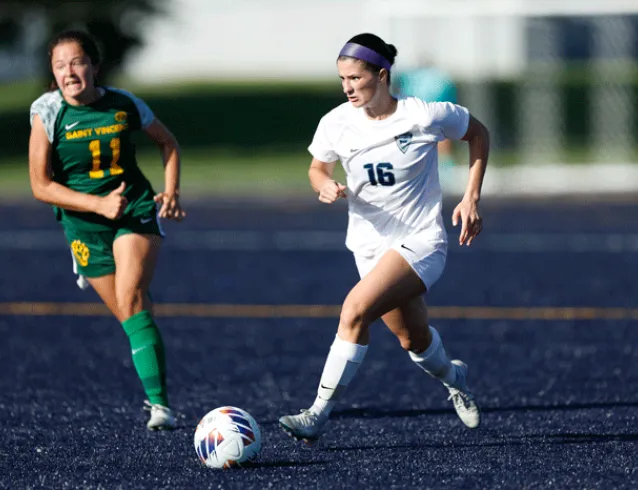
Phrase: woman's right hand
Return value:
(113, 204)
(331, 191)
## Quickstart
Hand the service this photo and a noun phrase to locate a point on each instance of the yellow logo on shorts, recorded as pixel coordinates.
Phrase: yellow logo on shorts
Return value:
(121, 116)
(80, 252)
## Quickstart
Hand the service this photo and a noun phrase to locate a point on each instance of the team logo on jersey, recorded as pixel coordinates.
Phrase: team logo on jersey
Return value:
(80, 252)
(403, 141)
(121, 116)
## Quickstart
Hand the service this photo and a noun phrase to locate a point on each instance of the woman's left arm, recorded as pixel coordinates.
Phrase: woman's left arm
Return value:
(478, 138)
(169, 148)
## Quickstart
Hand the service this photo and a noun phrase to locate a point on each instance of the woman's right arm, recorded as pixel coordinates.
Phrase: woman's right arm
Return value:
(320, 175)
(46, 190)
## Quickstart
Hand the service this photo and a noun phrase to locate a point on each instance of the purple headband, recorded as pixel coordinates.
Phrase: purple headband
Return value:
(359, 52)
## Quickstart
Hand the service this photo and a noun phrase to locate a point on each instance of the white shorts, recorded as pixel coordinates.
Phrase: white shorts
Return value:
(426, 258)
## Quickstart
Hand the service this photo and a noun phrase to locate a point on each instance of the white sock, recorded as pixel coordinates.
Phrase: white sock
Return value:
(435, 361)
(341, 365)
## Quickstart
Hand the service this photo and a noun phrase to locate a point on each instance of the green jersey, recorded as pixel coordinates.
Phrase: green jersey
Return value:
(93, 151)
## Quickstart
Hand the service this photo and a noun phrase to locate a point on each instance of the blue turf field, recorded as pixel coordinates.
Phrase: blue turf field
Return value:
(559, 396)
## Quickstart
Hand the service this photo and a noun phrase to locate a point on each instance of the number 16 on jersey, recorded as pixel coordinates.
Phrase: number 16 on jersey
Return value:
(381, 173)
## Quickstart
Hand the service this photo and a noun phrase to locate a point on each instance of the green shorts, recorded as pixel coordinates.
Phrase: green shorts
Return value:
(93, 250)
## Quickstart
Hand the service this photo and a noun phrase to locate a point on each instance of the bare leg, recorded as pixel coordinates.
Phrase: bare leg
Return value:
(135, 260)
(105, 288)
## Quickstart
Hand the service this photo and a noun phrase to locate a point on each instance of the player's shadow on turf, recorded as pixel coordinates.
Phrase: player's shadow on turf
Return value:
(505, 441)
(415, 446)
(570, 438)
(378, 413)
(552, 439)
(375, 413)
(280, 464)
(560, 406)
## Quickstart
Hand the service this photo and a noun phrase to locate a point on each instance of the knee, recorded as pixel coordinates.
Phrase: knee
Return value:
(353, 316)
(130, 303)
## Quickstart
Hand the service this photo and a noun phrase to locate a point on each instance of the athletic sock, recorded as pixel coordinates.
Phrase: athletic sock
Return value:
(147, 349)
(341, 365)
(435, 361)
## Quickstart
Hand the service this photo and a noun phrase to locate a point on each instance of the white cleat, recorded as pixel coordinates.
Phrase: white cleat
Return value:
(463, 399)
(306, 427)
(162, 418)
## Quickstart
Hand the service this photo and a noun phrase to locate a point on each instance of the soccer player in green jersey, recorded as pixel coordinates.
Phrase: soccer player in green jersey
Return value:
(82, 161)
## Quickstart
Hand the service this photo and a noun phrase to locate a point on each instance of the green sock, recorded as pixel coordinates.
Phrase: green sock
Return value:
(147, 350)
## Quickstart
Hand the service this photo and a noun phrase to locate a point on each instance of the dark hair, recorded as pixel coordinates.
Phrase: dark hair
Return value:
(375, 43)
(86, 42)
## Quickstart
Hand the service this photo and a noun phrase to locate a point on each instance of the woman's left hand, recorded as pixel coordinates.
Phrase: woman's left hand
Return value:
(471, 222)
(170, 206)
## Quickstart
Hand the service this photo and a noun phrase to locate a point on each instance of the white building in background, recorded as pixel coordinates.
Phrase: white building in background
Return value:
(299, 39)
(234, 39)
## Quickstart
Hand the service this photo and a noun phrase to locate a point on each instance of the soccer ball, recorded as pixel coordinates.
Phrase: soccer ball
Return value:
(226, 437)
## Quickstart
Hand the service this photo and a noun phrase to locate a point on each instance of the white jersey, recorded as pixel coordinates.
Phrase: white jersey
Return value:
(392, 169)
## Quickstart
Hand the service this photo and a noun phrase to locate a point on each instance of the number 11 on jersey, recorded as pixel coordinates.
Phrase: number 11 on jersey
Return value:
(114, 169)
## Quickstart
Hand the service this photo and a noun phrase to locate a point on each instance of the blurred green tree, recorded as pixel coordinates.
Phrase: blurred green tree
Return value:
(116, 24)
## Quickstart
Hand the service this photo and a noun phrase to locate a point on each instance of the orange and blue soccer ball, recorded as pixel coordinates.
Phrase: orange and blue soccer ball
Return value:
(227, 437)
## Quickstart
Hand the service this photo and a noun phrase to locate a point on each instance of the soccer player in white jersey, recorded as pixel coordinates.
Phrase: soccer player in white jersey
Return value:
(388, 149)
